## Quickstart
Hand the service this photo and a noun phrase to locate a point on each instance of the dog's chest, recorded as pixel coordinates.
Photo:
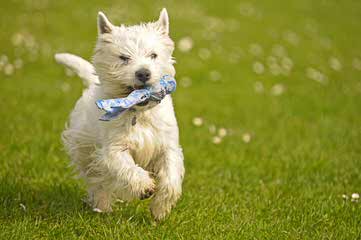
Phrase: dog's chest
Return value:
(145, 143)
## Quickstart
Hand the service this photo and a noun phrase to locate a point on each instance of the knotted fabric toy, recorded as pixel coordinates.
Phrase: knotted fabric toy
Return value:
(114, 107)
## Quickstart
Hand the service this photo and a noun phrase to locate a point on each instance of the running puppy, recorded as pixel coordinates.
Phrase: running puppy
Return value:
(138, 154)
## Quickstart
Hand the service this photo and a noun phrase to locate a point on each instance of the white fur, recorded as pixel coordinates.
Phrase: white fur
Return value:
(80, 66)
(118, 159)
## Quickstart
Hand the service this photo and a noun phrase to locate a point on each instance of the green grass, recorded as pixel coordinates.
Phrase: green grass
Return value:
(286, 183)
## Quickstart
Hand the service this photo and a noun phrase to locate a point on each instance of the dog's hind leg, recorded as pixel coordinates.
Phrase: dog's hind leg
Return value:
(170, 171)
(100, 199)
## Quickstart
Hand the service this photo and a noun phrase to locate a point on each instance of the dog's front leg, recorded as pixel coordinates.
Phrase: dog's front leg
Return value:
(129, 179)
(170, 171)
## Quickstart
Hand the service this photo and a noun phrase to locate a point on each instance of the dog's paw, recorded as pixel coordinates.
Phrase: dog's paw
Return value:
(160, 207)
(144, 187)
(148, 188)
(164, 200)
(106, 210)
(147, 193)
(159, 213)
(102, 202)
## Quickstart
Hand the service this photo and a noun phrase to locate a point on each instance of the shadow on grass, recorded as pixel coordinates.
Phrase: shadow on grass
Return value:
(52, 201)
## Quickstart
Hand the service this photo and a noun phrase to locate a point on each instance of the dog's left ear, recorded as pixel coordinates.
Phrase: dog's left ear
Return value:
(163, 21)
(104, 25)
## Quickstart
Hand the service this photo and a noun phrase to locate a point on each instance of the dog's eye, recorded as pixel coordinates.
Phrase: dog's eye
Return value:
(153, 56)
(125, 59)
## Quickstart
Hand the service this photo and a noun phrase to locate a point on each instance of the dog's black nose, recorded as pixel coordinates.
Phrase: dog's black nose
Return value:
(143, 75)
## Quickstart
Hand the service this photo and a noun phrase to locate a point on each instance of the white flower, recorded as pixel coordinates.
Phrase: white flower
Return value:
(216, 140)
(9, 69)
(279, 50)
(246, 137)
(97, 210)
(275, 69)
(247, 10)
(3, 60)
(287, 63)
(355, 197)
(255, 49)
(335, 64)
(185, 82)
(277, 89)
(258, 87)
(271, 60)
(212, 129)
(291, 37)
(258, 67)
(356, 63)
(17, 39)
(198, 121)
(204, 53)
(185, 44)
(222, 132)
(30, 42)
(215, 75)
(22, 206)
(18, 63)
(316, 75)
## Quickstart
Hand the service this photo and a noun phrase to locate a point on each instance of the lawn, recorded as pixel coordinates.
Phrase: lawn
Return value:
(268, 106)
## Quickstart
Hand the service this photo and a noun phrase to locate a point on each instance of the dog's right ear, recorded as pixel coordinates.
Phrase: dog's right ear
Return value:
(104, 26)
(163, 21)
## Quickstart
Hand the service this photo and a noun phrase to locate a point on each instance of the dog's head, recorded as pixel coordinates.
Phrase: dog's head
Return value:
(131, 57)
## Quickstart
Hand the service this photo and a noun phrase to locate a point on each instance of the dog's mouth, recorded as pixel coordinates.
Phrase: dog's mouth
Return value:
(137, 87)
(143, 103)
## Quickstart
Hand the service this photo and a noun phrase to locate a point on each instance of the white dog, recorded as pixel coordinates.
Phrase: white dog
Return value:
(138, 154)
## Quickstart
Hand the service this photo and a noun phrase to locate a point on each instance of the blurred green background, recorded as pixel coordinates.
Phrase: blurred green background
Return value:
(268, 106)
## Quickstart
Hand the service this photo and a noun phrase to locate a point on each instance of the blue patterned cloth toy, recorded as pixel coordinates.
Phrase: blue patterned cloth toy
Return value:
(114, 107)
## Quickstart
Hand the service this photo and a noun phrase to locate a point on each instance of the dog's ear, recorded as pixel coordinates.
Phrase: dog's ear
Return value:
(163, 21)
(104, 26)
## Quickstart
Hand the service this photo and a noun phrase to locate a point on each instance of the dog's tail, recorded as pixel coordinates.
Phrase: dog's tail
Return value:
(81, 67)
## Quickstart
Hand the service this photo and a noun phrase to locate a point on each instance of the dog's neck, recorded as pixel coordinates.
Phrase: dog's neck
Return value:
(139, 116)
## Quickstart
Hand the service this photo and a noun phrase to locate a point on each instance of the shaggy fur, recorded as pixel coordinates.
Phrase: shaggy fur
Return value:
(117, 159)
